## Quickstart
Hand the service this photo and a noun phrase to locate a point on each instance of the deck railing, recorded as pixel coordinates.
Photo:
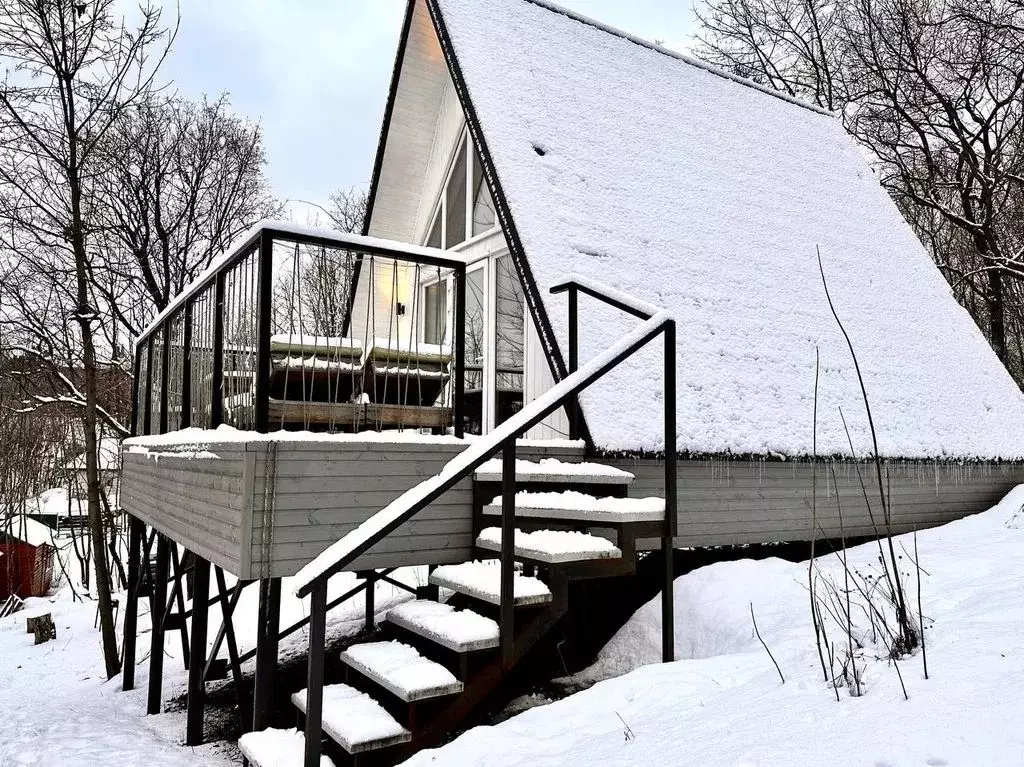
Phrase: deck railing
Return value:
(311, 329)
(313, 579)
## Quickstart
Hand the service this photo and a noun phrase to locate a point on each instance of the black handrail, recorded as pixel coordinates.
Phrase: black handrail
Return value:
(503, 439)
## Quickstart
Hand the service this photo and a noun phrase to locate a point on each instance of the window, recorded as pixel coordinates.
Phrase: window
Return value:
(483, 206)
(455, 202)
(435, 312)
(465, 208)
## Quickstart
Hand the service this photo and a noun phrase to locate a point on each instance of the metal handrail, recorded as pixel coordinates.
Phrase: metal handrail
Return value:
(312, 580)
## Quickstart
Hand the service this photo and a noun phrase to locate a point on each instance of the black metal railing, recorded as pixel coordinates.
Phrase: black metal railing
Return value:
(299, 328)
(313, 581)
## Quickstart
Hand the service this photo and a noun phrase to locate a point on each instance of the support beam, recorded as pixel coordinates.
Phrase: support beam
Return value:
(177, 594)
(266, 651)
(370, 622)
(668, 648)
(156, 651)
(315, 672)
(136, 532)
(196, 684)
(508, 549)
(227, 611)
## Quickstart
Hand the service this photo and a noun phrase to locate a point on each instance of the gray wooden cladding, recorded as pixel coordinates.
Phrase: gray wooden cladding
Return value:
(266, 508)
(726, 502)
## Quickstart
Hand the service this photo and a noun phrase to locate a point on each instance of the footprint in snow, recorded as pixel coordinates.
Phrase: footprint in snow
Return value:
(936, 762)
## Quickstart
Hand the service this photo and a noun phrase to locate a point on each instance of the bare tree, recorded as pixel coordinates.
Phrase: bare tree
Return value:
(935, 89)
(75, 70)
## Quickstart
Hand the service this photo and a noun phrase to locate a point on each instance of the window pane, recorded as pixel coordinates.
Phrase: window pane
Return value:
(435, 313)
(455, 201)
(434, 240)
(476, 344)
(483, 206)
(508, 341)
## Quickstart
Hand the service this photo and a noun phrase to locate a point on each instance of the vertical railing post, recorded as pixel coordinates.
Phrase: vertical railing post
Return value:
(147, 407)
(137, 372)
(671, 500)
(197, 667)
(315, 672)
(264, 316)
(156, 649)
(574, 360)
(165, 374)
(508, 549)
(459, 376)
(136, 531)
(186, 368)
(217, 379)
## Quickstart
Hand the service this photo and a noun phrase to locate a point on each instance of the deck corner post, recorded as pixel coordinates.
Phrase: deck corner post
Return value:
(156, 653)
(267, 638)
(671, 497)
(508, 549)
(197, 669)
(136, 531)
(315, 672)
(265, 298)
(574, 360)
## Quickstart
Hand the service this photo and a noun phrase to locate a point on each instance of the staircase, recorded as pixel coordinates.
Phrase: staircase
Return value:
(442, 657)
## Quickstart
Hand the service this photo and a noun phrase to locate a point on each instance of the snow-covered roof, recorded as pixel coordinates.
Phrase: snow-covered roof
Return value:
(708, 196)
(27, 530)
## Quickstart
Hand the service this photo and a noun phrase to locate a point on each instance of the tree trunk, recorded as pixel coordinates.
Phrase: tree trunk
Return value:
(995, 305)
(86, 316)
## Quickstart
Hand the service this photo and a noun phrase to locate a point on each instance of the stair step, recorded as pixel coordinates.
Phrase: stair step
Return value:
(402, 671)
(482, 580)
(553, 546)
(580, 507)
(355, 721)
(459, 630)
(276, 748)
(555, 471)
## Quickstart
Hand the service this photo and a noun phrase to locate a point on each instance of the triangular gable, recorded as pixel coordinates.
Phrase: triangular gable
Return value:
(710, 197)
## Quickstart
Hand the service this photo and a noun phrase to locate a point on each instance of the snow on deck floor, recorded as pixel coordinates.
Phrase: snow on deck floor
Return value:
(723, 703)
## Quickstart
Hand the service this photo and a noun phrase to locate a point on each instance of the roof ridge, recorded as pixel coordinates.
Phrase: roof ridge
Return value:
(691, 60)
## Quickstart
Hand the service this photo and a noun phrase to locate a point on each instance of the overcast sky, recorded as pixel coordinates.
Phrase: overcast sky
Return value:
(315, 73)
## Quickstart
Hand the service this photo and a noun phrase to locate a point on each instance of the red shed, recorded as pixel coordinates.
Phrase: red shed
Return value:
(26, 564)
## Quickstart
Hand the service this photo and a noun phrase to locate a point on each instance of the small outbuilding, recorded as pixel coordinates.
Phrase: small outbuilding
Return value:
(26, 567)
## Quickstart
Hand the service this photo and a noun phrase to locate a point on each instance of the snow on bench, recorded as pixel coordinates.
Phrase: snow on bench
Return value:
(554, 470)
(276, 748)
(580, 507)
(402, 671)
(482, 580)
(552, 546)
(354, 720)
(458, 630)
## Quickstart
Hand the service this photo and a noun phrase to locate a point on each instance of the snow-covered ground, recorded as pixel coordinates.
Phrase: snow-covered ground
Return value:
(722, 703)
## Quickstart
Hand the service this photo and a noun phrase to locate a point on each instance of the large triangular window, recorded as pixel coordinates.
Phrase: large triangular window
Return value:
(465, 207)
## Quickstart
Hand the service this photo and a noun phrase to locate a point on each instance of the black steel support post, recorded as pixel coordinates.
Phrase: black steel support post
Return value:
(459, 376)
(371, 588)
(266, 651)
(574, 360)
(264, 312)
(156, 650)
(186, 369)
(217, 382)
(671, 496)
(178, 598)
(227, 609)
(196, 685)
(508, 549)
(315, 672)
(136, 532)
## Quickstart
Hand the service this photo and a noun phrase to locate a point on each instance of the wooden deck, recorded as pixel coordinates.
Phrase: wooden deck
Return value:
(265, 508)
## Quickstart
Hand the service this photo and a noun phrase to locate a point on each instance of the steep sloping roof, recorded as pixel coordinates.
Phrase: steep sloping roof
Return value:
(710, 196)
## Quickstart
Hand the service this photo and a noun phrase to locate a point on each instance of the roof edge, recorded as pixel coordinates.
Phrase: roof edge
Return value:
(691, 60)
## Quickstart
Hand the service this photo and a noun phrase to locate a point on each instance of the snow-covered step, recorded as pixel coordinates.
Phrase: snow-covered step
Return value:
(482, 580)
(556, 471)
(572, 506)
(458, 630)
(553, 546)
(354, 720)
(276, 748)
(401, 670)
